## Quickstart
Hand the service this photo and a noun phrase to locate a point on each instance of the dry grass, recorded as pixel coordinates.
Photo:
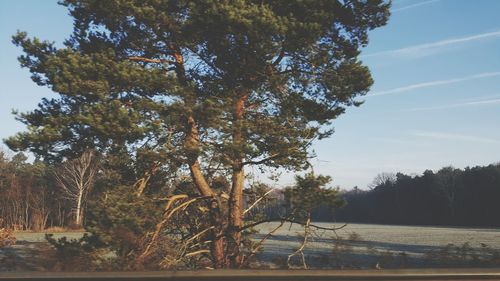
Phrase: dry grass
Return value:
(58, 229)
(6, 237)
(54, 229)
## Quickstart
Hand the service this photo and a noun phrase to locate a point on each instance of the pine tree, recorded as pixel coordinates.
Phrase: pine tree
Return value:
(203, 87)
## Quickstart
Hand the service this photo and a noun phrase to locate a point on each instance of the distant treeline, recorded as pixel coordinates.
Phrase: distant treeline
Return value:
(36, 196)
(32, 199)
(468, 197)
(448, 197)
(29, 197)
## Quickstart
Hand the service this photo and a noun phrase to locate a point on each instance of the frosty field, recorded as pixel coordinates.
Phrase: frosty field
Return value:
(396, 237)
(354, 246)
(365, 245)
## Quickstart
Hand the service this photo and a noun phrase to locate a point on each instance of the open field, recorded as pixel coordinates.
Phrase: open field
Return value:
(356, 246)
(365, 245)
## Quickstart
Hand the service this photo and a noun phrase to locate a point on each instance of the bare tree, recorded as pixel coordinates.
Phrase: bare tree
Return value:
(76, 178)
(383, 179)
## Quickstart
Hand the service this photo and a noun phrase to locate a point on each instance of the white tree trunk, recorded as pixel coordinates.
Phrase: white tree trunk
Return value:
(78, 220)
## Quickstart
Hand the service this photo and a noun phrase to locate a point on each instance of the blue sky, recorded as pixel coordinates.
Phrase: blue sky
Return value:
(435, 101)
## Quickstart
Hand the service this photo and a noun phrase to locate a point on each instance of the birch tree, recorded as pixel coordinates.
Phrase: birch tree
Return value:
(76, 178)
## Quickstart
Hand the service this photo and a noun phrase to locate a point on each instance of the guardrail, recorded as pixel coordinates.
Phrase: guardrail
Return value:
(264, 275)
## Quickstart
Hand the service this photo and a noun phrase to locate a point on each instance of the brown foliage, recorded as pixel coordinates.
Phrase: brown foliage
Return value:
(6, 237)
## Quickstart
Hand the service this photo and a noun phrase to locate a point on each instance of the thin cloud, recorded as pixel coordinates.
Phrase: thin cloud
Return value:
(415, 5)
(399, 141)
(418, 49)
(458, 105)
(483, 98)
(433, 84)
(397, 2)
(453, 137)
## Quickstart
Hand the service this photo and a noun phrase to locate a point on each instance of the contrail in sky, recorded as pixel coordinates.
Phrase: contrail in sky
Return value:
(416, 49)
(453, 137)
(433, 83)
(414, 5)
(457, 105)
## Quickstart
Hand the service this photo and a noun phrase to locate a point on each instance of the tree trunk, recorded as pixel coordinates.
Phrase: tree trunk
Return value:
(235, 217)
(191, 144)
(78, 219)
(215, 235)
(235, 220)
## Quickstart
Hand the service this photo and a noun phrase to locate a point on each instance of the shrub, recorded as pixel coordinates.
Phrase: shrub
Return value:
(6, 237)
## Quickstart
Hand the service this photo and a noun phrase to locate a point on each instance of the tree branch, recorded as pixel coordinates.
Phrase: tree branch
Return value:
(257, 201)
(207, 62)
(300, 250)
(291, 221)
(151, 60)
(261, 243)
(279, 58)
(168, 214)
(258, 162)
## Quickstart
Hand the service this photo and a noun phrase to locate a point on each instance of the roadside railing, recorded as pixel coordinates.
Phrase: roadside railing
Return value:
(264, 275)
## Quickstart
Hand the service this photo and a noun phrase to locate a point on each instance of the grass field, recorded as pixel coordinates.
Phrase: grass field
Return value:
(365, 245)
(354, 246)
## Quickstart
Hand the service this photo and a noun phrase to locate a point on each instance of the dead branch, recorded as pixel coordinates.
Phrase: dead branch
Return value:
(300, 250)
(141, 183)
(197, 253)
(257, 201)
(174, 198)
(292, 221)
(168, 214)
(261, 243)
(183, 252)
